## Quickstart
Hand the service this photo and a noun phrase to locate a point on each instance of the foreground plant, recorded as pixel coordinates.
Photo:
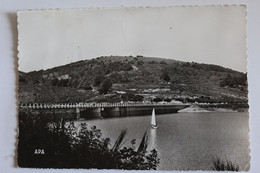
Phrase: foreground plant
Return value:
(67, 146)
(224, 165)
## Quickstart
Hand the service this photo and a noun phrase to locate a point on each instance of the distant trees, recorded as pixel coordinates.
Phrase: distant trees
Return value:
(132, 97)
(234, 81)
(119, 78)
(178, 85)
(153, 62)
(163, 62)
(55, 81)
(117, 66)
(167, 100)
(22, 78)
(140, 62)
(157, 99)
(86, 85)
(60, 83)
(102, 83)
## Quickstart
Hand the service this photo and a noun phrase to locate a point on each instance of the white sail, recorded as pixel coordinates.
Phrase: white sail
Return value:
(153, 121)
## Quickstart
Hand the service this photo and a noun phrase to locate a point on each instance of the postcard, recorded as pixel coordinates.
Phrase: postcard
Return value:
(155, 88)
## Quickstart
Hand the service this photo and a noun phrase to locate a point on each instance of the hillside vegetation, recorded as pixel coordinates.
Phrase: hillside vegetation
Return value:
(115, 79)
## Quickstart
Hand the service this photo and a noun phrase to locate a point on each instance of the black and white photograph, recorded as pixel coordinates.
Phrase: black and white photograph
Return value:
(144, 88)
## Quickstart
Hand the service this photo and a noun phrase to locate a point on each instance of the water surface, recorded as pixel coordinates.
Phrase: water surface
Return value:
(186, 141)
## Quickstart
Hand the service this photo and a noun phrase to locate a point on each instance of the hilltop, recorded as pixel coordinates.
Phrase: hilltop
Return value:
(118, 78)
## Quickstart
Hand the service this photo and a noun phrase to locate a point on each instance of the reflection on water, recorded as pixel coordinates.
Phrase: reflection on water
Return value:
(186, 140)
(152, 139)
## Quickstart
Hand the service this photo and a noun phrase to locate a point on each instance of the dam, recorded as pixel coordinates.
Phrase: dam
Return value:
(99, 110)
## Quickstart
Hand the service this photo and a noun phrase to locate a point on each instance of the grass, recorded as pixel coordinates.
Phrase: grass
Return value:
(119, 142)
(224, 165)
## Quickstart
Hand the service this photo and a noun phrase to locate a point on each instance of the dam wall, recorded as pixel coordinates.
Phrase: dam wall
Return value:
(138, 111)
(105, 112)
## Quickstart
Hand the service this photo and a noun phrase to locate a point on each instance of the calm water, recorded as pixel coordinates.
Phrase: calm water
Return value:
(187, 140)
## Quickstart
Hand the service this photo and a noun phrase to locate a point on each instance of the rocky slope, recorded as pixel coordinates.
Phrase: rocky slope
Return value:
(115, 78)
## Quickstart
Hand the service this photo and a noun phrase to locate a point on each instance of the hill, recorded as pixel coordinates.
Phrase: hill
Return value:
(117, 78)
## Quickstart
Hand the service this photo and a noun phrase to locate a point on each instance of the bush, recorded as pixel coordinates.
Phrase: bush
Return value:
(66, 146)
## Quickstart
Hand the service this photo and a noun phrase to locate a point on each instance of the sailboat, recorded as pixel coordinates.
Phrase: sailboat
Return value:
(153, 121)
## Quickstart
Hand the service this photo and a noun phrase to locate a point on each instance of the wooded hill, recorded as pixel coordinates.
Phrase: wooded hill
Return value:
(117, 78)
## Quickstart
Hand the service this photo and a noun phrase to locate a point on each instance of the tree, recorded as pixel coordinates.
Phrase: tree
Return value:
(157, 99)
(178, 86)
(163, 62)
(55, 81)
(86, 85)
(132, 97)
(98, 80)
(140, 62)
(234, 82)
(165, 76)
(105, 86)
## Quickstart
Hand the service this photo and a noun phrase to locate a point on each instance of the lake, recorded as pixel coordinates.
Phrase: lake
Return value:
(186, 141)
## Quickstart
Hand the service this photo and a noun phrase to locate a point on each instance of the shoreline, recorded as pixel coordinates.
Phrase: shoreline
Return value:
(214, 108)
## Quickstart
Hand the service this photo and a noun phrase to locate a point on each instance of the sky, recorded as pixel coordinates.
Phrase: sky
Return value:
(209, 34)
